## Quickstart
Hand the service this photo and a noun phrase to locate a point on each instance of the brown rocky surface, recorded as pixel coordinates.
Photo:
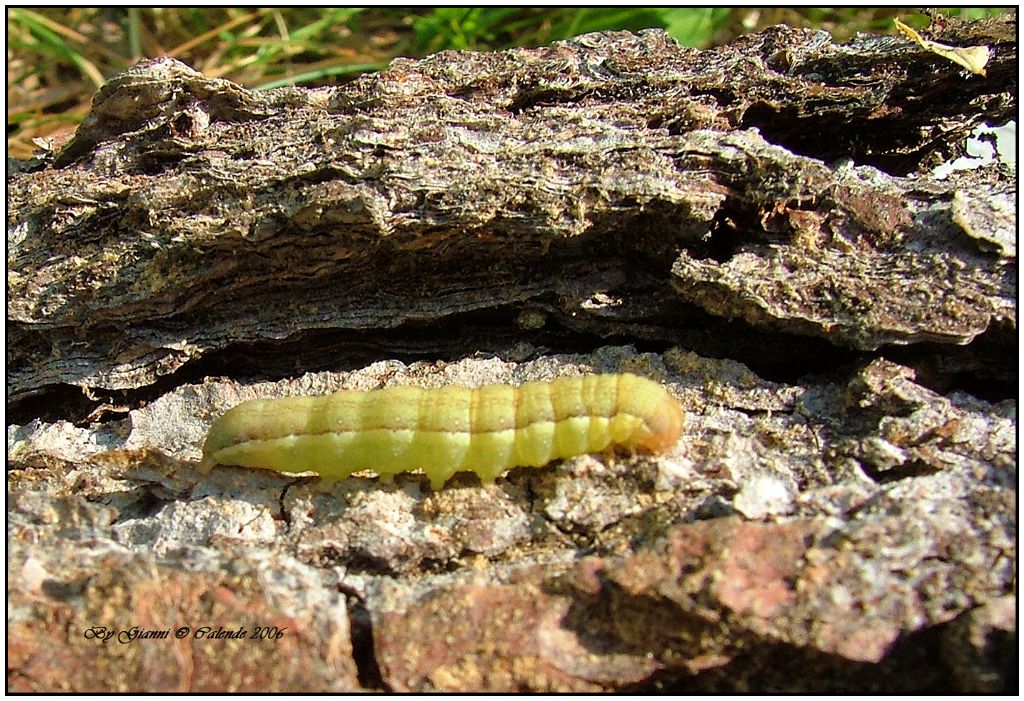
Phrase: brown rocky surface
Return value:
(760, 222)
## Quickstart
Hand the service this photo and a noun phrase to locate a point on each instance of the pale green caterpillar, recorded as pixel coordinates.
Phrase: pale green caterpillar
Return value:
(446, 430)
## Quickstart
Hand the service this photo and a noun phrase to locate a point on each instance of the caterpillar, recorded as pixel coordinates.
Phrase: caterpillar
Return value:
(486, 430)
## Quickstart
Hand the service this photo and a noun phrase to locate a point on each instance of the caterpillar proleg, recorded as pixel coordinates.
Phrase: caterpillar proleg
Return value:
(486, 430)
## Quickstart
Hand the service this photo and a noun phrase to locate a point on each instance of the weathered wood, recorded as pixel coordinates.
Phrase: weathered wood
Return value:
(845, 521)
(612, 183)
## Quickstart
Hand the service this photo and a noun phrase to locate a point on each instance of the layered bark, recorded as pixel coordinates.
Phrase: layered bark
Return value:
(763, 219)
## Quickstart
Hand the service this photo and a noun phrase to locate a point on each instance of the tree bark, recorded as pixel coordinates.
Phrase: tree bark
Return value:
(762, 222)
(617, 184)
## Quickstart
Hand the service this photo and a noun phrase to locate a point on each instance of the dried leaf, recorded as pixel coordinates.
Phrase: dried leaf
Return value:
(973, 58)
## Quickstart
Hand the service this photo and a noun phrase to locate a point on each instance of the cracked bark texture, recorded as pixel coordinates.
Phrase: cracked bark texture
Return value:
(760, 218)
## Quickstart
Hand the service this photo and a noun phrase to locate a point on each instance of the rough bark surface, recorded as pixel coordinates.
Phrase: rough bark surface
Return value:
(763, 219)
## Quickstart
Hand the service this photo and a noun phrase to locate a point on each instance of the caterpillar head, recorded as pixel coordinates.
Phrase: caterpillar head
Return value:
(662, 427)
